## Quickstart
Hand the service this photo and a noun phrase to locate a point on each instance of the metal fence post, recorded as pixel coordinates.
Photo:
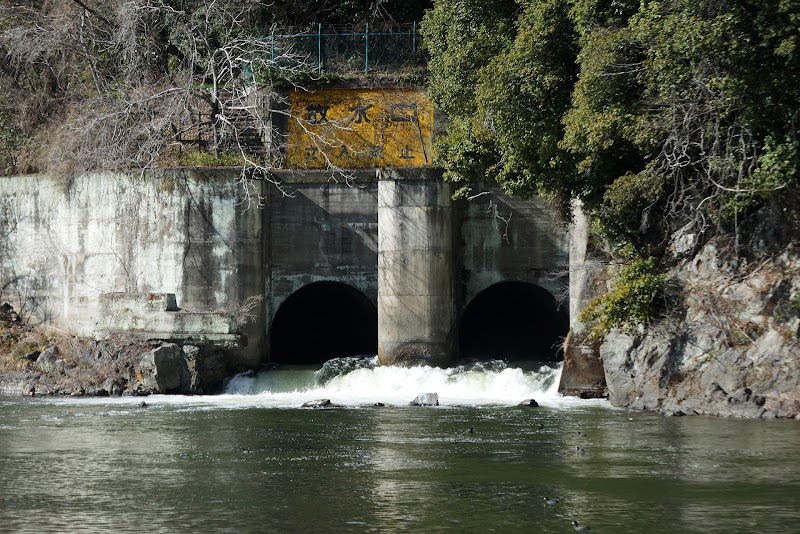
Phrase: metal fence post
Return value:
(319, 48)
(414, 41)
(366, 54)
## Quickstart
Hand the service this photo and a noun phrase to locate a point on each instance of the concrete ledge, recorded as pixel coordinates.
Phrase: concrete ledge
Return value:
(157, 316)
(298, 176)
(224, 341)
(140, 302)
(411, 173)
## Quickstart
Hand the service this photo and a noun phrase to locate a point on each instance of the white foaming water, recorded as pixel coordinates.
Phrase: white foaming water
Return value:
(354, 382)
(348, 382)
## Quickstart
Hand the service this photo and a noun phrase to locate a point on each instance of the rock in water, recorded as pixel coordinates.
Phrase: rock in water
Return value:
(319, 403)
(115, 386)
(425, 399)
(165, 370)
(529, 402)
(207, 368)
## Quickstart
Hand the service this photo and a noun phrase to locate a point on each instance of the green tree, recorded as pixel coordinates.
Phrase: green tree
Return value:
(659, 116)
(503, 73)
(662, 117)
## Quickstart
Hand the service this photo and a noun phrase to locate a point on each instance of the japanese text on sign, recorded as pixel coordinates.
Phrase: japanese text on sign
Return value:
(357, 128)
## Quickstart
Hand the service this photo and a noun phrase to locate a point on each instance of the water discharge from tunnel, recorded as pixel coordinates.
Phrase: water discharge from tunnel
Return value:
(513, 321)
(358, 381)
(321, 321)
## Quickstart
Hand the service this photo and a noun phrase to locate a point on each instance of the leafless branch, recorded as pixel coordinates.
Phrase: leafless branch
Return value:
(163, 80)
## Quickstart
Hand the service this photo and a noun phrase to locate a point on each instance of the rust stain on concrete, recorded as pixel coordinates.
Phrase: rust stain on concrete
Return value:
(359, 128)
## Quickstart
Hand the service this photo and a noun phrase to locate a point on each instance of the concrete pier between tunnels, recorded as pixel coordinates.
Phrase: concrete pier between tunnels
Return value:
(416, 305)
(443, 278)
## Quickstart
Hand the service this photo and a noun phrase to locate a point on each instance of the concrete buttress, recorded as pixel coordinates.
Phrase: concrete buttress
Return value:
(416, 303)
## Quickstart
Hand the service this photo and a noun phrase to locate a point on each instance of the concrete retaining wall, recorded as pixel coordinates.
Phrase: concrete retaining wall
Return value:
(503, 238)
(66, 241)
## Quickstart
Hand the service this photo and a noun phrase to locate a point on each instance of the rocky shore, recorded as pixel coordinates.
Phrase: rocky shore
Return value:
(729, 341)
(731, 349)
(39, 361)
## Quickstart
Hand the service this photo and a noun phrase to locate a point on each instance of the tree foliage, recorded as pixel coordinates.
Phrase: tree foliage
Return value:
(632, 301)
(664, 118)
(661, 117)
(502, 71)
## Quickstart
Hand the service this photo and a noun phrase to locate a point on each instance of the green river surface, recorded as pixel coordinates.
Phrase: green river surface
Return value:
(253, 461)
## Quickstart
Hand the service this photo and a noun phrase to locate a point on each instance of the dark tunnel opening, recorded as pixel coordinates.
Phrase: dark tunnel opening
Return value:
(513, 321)
(321, 321)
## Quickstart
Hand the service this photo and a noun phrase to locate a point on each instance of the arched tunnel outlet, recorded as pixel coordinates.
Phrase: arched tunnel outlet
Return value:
(321, 321)
(513, 321)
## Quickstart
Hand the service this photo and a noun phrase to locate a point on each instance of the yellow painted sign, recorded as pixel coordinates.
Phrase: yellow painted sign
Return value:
(357, 128)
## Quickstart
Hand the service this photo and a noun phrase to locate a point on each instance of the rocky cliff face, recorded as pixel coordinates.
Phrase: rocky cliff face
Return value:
(729, 345)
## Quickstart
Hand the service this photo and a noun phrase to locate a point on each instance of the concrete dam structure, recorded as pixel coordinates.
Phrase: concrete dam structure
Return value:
(386, 264)
(384, 261)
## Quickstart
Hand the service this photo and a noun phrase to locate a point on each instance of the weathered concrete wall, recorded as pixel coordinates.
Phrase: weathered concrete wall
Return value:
(583, 373)
(66, 241)
(416, 301)
(504, 238)
(326, 231)
(512, 276)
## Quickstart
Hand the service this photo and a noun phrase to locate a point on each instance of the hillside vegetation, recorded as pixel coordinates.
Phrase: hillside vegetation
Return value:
(671, 121)
(123, 84)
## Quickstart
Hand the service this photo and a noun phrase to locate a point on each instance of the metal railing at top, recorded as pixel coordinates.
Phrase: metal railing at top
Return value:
(344, 49)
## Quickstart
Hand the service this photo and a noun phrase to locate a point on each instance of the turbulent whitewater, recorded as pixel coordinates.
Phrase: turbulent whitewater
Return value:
(361, 381)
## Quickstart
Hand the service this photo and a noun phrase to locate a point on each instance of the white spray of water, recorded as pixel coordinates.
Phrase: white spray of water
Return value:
(489, 383)
(353, 382)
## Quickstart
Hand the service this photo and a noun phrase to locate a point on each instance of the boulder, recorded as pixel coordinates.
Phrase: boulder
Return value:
(48, 360)
(115, 386)
(319, 403)
(8, 314)
(207, 369)
(138, 391)
(425, 399)
(18, 383)
(529, 402)
(165, 370)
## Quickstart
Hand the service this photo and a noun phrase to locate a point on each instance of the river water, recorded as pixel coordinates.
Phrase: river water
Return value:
(253, 461)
